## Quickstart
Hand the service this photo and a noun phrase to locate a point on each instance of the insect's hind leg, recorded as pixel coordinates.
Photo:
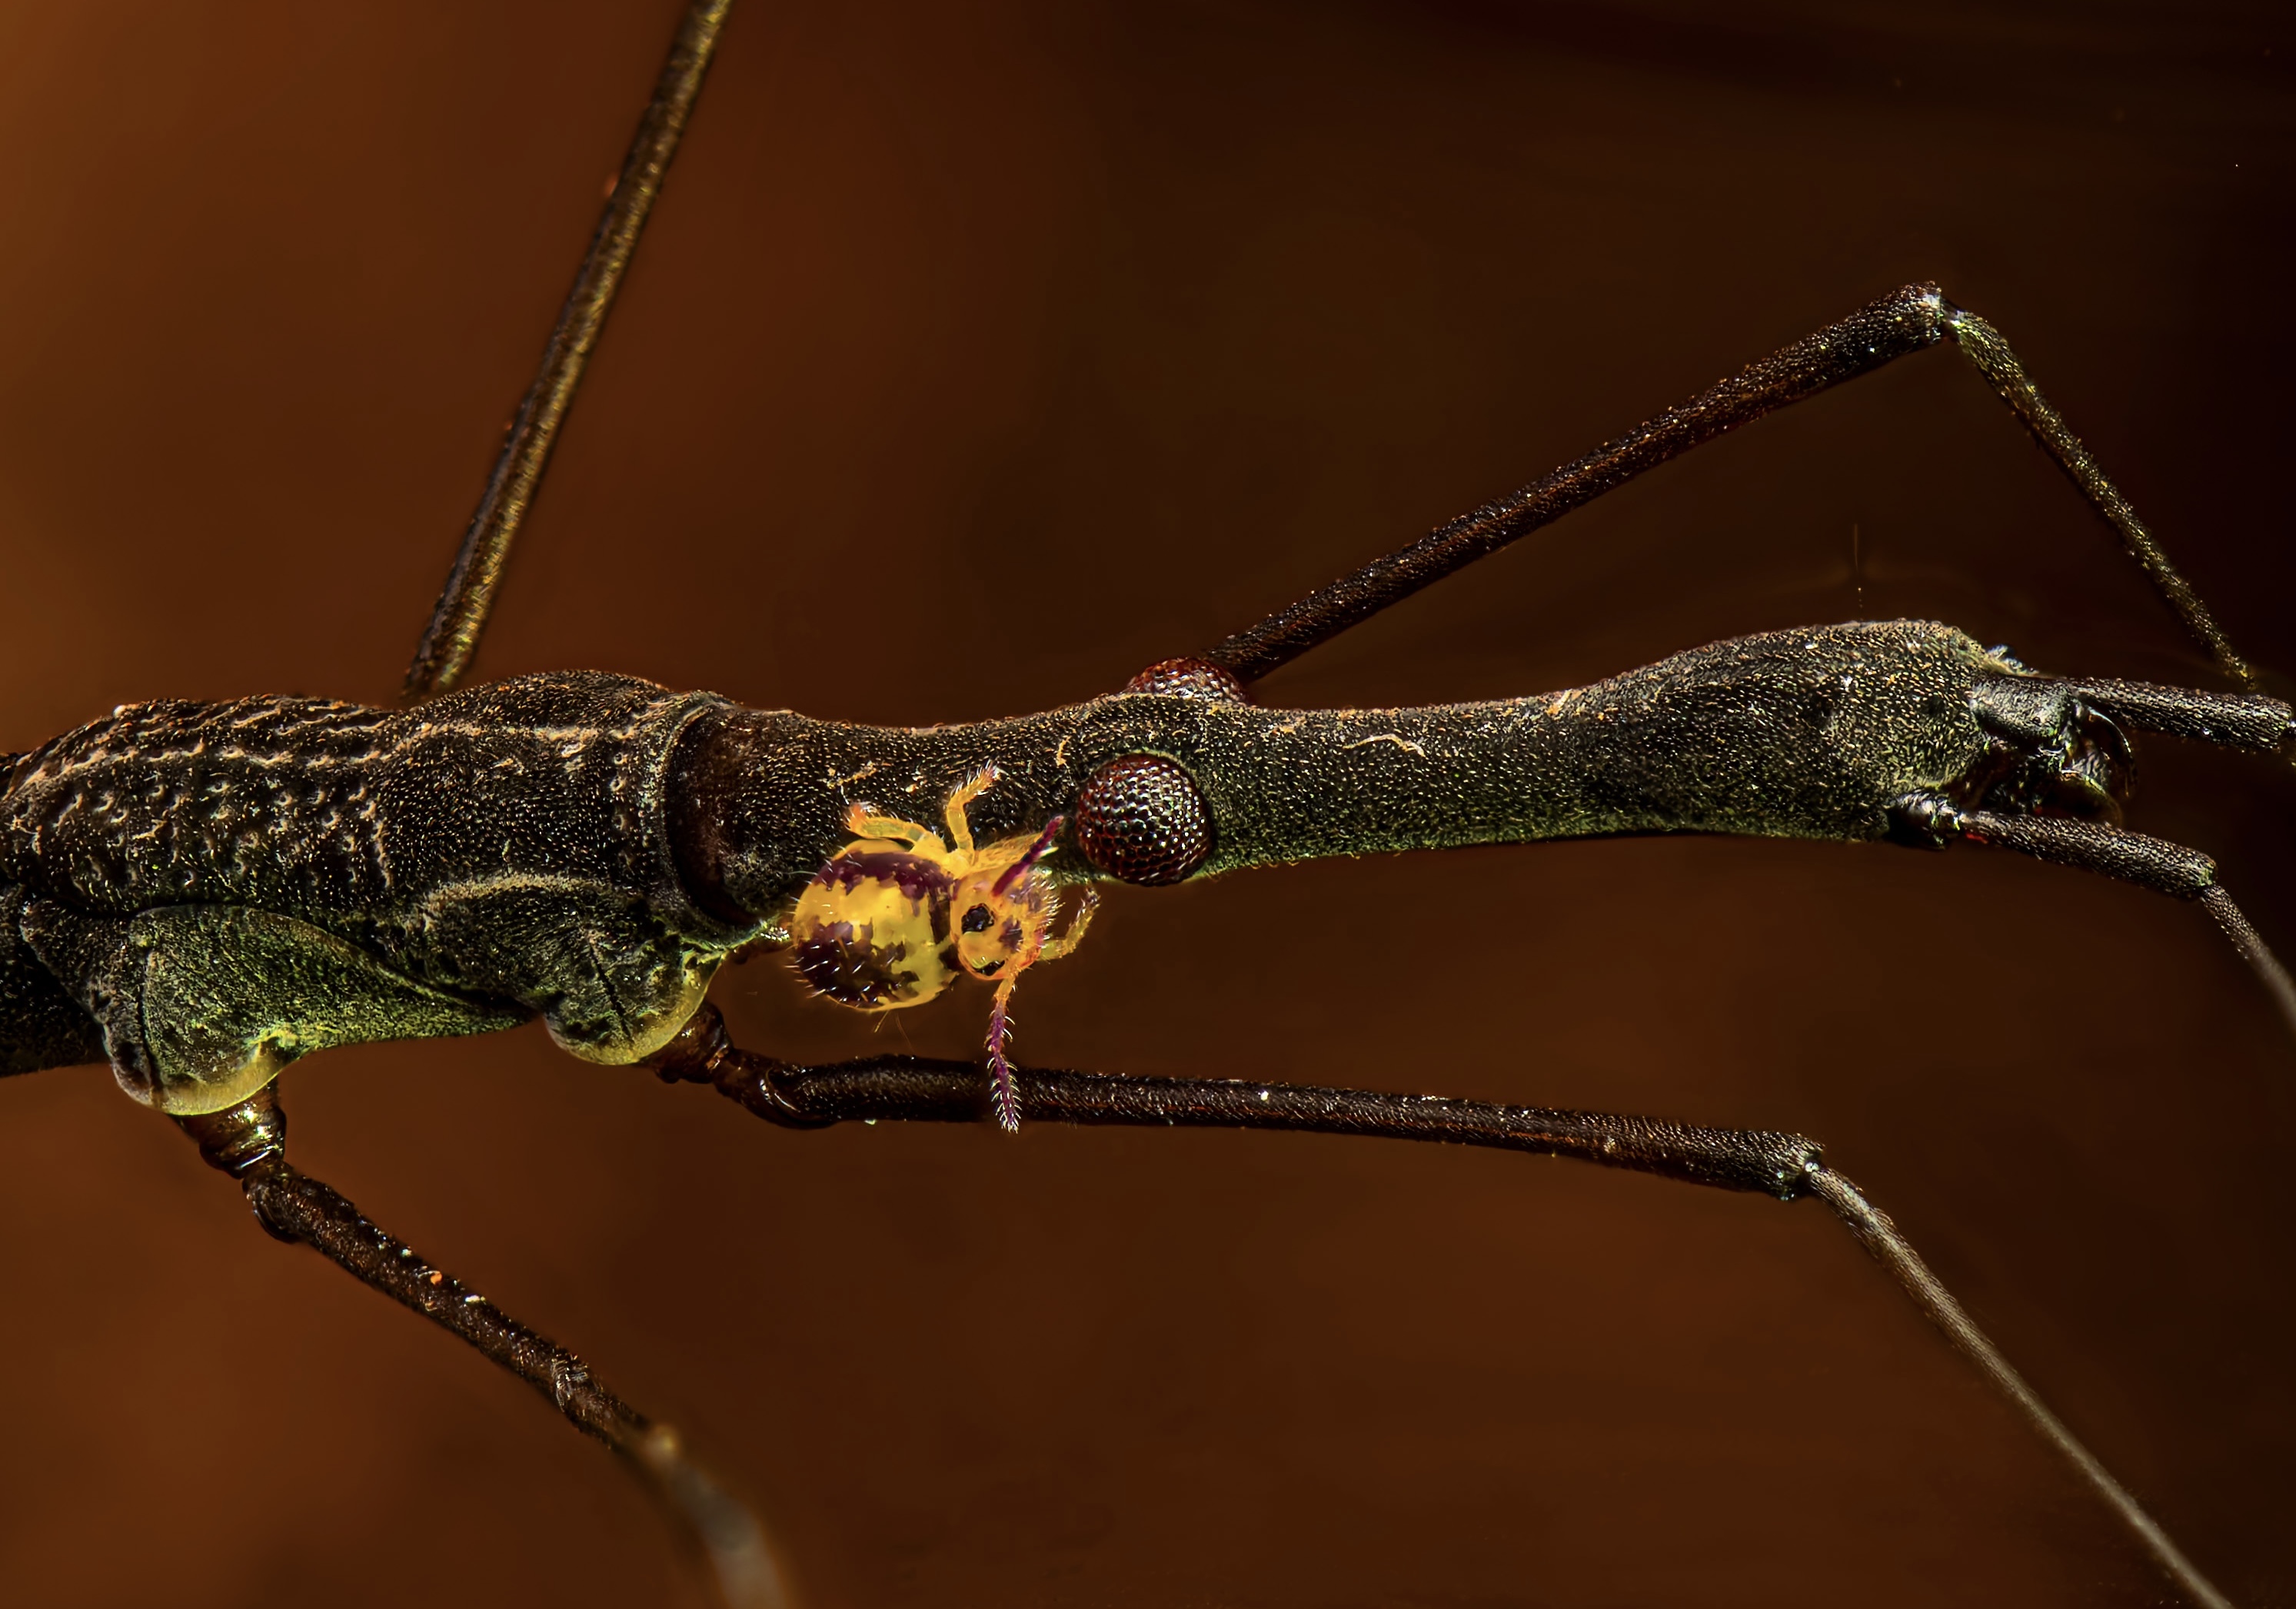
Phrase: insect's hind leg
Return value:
(248, 1141)
(894, 1089)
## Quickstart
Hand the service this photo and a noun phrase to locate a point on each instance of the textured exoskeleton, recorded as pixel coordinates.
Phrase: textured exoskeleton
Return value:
(202, 892)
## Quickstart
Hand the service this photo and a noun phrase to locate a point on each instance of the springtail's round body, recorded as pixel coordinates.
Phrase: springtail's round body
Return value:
(896, 914)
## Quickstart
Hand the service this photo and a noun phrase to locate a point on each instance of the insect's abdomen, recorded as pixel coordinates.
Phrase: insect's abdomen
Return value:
(41, 1024)
(871, 931)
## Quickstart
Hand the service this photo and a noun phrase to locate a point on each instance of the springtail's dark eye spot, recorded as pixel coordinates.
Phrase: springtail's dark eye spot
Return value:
(989, 968)
(1143, 820)
(977, 919)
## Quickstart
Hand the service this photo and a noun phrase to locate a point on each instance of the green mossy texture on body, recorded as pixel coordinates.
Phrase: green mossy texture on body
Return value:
(223, 886)
(1812, 733)
(204, 892)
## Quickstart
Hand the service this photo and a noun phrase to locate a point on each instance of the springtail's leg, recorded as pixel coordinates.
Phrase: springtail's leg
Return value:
(898, 1088)
(248, 1141)
(1916, 317)
(960, 826)
(861, 824)
(452, 637)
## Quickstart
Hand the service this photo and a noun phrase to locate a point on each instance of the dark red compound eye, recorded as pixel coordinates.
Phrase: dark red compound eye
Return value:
(1142, 820)
(1190, 679)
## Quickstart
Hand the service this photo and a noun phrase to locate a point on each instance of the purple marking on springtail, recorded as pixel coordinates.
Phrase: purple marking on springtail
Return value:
(1027, 862)
(1003, 1097)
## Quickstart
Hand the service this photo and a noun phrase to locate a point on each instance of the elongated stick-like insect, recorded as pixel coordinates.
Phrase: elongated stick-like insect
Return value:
(217, 890)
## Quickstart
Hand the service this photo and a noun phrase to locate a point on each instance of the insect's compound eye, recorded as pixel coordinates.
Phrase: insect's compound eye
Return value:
(1190, 678)
(977, 919)
(1143, 820)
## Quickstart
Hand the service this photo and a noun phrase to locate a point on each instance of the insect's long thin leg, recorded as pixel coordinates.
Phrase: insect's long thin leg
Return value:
(896, 1089)
(1984, 349)
(452, 637)
(2253, 949)
(2125, 856)
(1913, 318)
(1879, 1236)
(248, 1142)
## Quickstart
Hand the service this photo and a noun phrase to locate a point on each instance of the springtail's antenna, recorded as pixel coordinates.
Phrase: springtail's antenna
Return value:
(1004, 1095)
(1026, 863)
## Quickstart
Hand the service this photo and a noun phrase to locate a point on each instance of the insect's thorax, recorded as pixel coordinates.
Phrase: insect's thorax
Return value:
(223, 887)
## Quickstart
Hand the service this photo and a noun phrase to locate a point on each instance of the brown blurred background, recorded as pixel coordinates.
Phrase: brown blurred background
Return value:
(1110, 327)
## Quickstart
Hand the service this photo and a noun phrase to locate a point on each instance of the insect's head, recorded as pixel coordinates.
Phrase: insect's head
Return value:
(1000, 912)
(2048, 752)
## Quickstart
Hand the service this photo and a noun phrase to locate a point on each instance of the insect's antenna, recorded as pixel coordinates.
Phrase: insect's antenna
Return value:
(2125, 856)
(1004, 1093)
(1003, 1096)
(1027, 862)
(452, 637)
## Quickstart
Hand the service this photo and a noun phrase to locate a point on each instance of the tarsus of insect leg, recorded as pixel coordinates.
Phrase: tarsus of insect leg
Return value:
(897, 1088)
(2252, 950)
(1879, 1236)
(248, 1142)
(1990, 356)
(1910, 319)
(452, 637)
(2126, 857)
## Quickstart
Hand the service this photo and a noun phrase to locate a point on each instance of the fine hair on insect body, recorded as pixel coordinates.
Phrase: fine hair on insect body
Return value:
(1986, 1026)
(890, 919)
